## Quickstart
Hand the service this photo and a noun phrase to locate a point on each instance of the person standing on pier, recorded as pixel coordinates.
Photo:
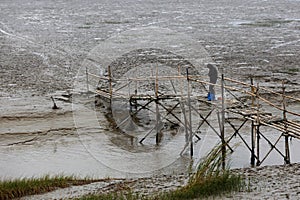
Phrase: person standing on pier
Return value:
(213, 76)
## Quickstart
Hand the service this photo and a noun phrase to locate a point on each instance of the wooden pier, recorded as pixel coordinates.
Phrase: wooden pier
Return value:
(245, 103)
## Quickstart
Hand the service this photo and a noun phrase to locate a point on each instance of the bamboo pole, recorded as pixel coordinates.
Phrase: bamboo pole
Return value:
(252, 160)
(214, 130)
(226, 87)
(264, 100)
(193, 77)
(236, 131)
(257, 127)
(275, 126)
(293, 124)
(273, 146)
(286, 136)
(183, 108)
(148, 78)
(190, 113)
(280, 128)
(223, 123)
(165, 117)
(286, 96)
(292, 128)
(279, 108)
(134, 101)
(129, 88)
(236, 81)
(182, 105)
(186, 129)
(263, 88)
(252, 94)
(179, 76)
(110, 82)
(156, 106)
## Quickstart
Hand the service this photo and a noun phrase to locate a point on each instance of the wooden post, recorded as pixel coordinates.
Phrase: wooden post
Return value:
(87, 79)
(252, 160)
(286, 136)
(257, 125)
(223, 124)
(257, 149)
(182, 105)
(129, 86)
(156, 106)
(190, 113)
(110, 82)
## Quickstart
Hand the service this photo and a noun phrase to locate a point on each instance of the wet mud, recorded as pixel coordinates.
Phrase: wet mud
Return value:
(44, 44)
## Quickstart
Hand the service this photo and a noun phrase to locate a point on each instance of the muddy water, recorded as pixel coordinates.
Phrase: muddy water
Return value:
(36, 140)
(43, 44)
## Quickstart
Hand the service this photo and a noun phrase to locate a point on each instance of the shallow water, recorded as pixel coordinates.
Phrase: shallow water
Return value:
(83, 144)
(45, 44)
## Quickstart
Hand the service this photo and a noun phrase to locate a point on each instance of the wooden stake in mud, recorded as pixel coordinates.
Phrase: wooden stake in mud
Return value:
(190, 113)
(286, 136)
(257, 125)
(54, 107)
(136, 88)
(252, 161)
(110, 82)
(182, 106)
(156, 105)
(223, 124)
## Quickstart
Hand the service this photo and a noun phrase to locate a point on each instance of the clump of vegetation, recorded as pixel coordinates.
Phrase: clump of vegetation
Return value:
(209, 180)
(115, 196)
(293, 70)
(268, 23)
(10, 189)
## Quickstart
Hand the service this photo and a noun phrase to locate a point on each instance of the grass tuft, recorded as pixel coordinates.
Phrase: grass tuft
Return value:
(209, 180)
(114, 196)
(28, 186)
(268, 23)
